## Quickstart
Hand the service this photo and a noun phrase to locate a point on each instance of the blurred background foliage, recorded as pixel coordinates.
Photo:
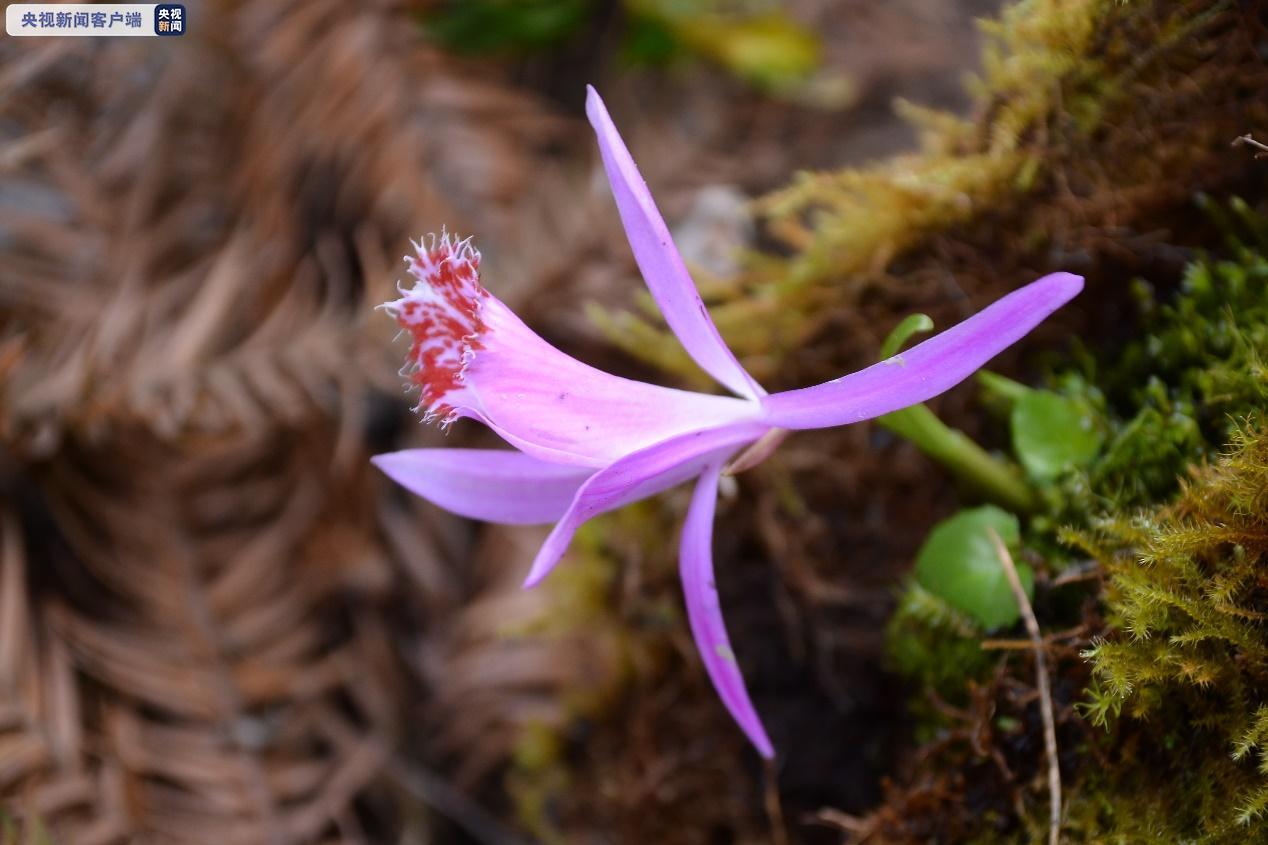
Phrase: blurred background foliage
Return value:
(757, 40)
(218, 625)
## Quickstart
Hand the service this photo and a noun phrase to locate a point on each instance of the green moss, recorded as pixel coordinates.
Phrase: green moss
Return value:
(1182, 672)
(537, 777)
(1174, 510)
(934, 646)
(1177, 395)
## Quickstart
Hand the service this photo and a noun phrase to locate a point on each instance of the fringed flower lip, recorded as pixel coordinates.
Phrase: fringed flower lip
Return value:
(586, 442)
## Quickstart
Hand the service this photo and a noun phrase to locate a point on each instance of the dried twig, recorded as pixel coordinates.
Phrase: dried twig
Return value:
(1007, 645)
(861, 829)
(1041, 681)
(1075, 633)
(1248, 140)
(1087, 570)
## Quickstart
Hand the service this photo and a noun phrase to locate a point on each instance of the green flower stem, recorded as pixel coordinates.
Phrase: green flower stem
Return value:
(1005, 388)
(998, 481)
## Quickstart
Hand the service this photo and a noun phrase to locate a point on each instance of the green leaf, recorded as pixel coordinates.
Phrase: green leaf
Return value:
(496, 26)
(649, 41)
(1052, 434)
(768, 49)
(959, 564)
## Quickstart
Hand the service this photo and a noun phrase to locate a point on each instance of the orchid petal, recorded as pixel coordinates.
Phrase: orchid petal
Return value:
(637, 476)
(659, 261)
(705, 612)
(927, 369)
(554, 407)
(495, 485)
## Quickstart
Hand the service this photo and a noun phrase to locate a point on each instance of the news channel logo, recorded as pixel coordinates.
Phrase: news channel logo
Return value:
(96, 19)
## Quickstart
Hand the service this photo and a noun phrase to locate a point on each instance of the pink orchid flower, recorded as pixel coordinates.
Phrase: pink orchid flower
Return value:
(587, 442)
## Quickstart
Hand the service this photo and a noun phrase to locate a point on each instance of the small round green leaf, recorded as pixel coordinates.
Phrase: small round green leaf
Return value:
(959, 564)
(1052, 434)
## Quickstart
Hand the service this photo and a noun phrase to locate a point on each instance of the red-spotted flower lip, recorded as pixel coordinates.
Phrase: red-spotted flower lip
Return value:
(441, 314)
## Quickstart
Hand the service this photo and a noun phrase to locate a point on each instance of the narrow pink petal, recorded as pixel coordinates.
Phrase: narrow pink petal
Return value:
(926, 369)
(561, 410)
(695, 559)
(659, 261)
(637, 476)
(494, 485)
